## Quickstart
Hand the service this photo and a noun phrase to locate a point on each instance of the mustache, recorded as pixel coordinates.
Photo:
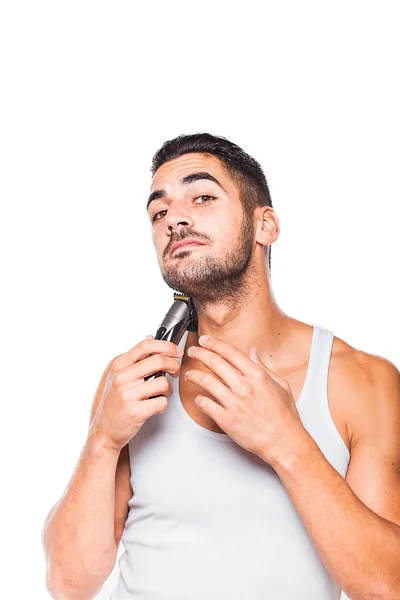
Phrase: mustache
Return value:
(186, 237)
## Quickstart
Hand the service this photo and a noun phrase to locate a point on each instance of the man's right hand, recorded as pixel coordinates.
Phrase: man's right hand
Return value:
(127, 398)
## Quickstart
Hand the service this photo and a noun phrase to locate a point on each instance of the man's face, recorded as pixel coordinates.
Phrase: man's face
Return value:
(207, 212)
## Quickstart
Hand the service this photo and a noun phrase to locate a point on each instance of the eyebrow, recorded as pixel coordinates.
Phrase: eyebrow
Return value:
(185, 180)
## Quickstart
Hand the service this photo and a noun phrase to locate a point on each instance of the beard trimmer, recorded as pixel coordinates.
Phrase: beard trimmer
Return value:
(180, 317)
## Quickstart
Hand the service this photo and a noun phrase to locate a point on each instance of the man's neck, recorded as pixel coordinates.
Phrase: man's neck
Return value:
(257, 322)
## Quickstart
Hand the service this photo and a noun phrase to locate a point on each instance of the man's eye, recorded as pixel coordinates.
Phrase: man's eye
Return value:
(153, 218)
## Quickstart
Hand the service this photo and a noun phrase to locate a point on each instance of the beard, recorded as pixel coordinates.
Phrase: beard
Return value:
(211, 280)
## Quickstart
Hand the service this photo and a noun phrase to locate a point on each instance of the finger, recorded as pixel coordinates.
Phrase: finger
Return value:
(153, 388)
(144, 349)
(212, 385)
(152, 406)
(232, 355)
(212, 409)
(218, 365)
(147, 366)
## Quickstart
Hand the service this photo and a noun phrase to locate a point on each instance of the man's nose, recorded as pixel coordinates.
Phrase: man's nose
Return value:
(177, 216)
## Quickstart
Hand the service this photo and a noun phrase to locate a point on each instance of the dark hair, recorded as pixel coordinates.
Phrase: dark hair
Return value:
(245, 171)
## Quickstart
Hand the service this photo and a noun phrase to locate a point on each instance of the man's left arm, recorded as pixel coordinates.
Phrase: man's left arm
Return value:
(354, 523)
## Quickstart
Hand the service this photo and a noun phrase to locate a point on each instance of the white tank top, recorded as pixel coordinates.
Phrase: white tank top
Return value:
(211, 520)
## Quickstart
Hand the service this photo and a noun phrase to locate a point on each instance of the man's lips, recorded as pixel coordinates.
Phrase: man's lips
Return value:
(185, 243)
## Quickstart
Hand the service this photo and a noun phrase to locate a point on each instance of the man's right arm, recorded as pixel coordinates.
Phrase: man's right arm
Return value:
(79, 533)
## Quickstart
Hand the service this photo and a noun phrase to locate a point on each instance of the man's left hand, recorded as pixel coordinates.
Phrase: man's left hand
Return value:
(256, 407)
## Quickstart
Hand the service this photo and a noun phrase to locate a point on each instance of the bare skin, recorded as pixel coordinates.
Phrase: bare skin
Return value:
(248, 315)
(226, 273)
(294, 373)
(348, 367)
(243, 313)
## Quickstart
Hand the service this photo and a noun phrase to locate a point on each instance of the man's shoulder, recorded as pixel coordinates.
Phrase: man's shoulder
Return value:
(361, 383)
(359, 368)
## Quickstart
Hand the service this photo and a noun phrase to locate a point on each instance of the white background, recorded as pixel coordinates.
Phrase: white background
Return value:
(90, 91)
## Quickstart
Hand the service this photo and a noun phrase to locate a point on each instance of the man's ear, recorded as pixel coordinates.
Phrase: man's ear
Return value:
(267, 226)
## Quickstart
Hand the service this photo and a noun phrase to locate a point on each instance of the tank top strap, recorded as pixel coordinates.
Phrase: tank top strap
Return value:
(316, 413)
(314, 392)
(322, 355)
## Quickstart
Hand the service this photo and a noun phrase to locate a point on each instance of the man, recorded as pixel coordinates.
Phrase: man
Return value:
(304, 499)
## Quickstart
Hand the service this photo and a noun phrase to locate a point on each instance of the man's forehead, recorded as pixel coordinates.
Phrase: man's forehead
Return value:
(174, 170)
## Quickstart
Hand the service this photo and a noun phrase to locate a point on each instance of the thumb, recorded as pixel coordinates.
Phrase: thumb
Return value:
(253, 355)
